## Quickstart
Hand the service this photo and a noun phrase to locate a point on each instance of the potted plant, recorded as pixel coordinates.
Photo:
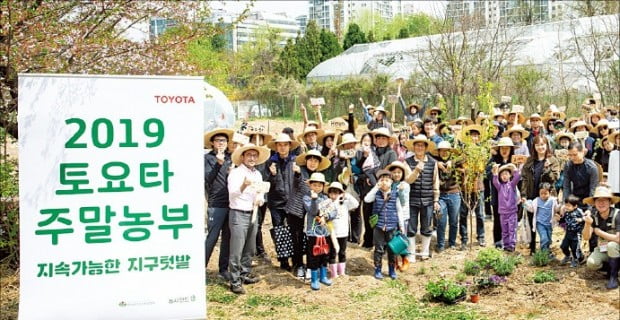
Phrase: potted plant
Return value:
(487, 282)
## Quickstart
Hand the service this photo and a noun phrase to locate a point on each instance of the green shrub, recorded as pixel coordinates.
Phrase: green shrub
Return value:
(487, 258)
(544, 276)
(460, 277)
(541, 258)
(505, 266)
(471, 268)
(445, 291)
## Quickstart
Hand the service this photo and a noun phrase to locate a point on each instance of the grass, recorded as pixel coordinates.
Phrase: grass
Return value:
(421, 271)
(220, 294)
(268, 300)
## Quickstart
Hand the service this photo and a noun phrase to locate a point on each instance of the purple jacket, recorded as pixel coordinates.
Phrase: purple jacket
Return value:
(507, 193)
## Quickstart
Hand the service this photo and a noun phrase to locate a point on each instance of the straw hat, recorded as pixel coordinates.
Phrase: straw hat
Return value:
(209, 135)
(509, 166)
(413, 105)
(263, 153)
(370, 108)
(482, 118)
(346, 138)
(565, 134)
(335, 185)
(325, 134)
(535, 116)
(504, 142)
(282, 137)
(592, 114)
(317, 177)
(601, 123)
(398, 164)
(462, 120)
(323, 164)
(612, 137)
(382, 132)
(517, 128)
(417, 122)
(308, 130)
(435, 108)
(498, 113)
(441, 126)
(473, 127)
(554, 112)
(382, 109)
(266, 137)
(578, 124)
(570, 121)
(430, 145)
(601, 192)
(444, 145)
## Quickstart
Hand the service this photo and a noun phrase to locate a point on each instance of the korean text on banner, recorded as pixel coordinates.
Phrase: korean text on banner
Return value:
(111, 197)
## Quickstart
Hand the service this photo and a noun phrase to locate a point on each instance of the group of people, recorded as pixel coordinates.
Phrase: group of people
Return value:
(326, 188)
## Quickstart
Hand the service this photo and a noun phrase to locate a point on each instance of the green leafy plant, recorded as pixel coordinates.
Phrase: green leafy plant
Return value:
(471, 268)
(460, 277)
(488, 258)
(505, 266)
(544, 276)
(446, 291)
(487, 282)
(541, 258)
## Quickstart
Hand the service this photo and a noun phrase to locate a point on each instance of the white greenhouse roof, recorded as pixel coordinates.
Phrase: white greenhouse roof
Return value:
(535, 45)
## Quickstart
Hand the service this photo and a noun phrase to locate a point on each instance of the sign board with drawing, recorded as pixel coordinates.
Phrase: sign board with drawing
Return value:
(256, 127)
(518, 159)
(338, 123)
(317, 101)
(111, 197)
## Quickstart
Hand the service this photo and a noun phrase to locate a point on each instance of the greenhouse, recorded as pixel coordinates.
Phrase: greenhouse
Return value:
(544, 45)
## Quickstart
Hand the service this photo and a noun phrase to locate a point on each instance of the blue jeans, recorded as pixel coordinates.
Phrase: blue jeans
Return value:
(544, 231)
(479, 209)
(450, 205)
(218, 221)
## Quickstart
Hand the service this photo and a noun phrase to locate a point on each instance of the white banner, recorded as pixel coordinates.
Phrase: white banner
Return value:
(111, 197)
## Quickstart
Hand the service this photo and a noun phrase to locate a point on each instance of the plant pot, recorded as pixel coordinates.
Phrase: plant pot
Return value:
(474, 298)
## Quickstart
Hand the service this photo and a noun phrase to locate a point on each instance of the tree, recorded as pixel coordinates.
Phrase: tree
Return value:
(463, 56)
(288, 65)
(529, 82)
(90, 37)
(403, 33)
(597, 44)
(329, 45)
(353, 36)
(371, 37)
(308, 49)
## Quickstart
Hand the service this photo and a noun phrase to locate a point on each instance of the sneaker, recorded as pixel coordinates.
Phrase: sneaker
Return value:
(301, 272)
(237, 288)
(482, 243)
(574, 263)
(439, 249)
(463, 246)
(250, 279)
(565, 260)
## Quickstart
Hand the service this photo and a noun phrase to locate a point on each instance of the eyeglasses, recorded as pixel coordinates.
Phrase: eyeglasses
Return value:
(220, 140)
(604, 128)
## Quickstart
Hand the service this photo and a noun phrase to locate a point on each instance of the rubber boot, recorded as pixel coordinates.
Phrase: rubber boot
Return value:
(392, 271)
(323, 279)
(614, 264)
(333, 270)
(378, 274)
(411, 249)
(314, 279)
(426, 244)
(405, 265)
(341, 268)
